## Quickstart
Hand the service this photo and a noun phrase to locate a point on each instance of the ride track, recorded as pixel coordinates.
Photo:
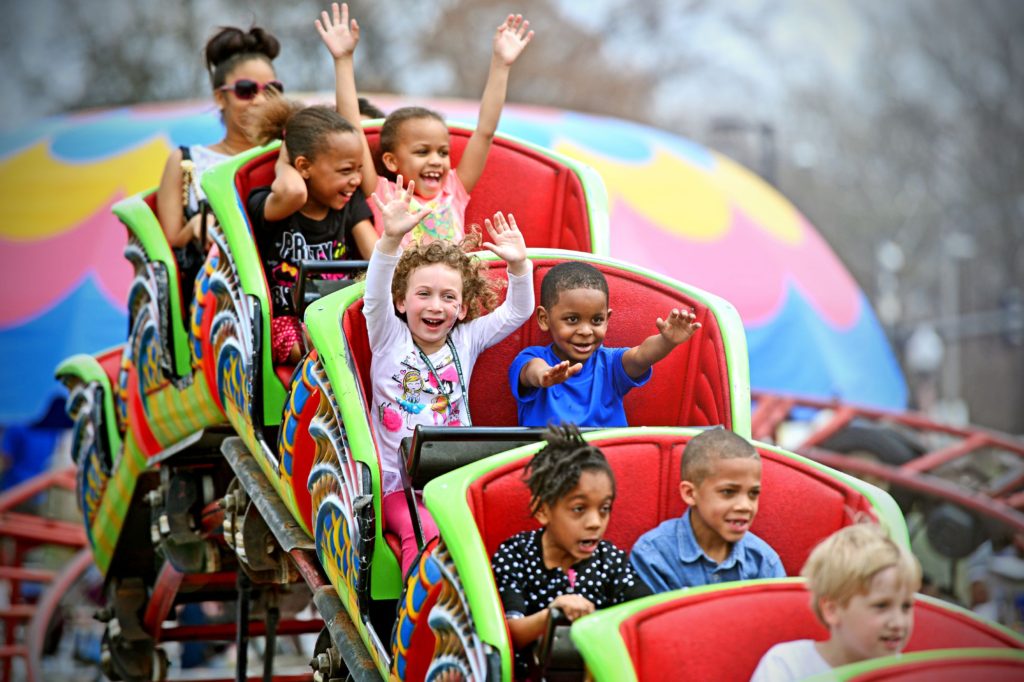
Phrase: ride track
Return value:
(263, 485)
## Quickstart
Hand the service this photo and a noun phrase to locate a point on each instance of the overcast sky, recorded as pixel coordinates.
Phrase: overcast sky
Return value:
(799, 41)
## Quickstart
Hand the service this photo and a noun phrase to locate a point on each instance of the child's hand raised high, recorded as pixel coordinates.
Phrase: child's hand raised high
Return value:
(398, 221)
(679, 326)
(338, 33)
(507, 243)
(511, 39)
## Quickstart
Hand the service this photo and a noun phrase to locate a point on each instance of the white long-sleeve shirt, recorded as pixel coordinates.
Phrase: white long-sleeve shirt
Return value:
(405, 391)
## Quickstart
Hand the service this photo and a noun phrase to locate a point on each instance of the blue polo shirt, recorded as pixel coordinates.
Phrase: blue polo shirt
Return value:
(669, 558)
(591, 398)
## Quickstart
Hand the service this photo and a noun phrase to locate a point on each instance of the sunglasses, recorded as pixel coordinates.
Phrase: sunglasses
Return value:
(248, 89)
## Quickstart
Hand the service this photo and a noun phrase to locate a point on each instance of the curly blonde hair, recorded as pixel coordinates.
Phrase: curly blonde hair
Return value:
(479, 292)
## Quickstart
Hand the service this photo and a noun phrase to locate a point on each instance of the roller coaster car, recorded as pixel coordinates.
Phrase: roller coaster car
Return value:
(801, 503)
(332, 447)
(640, 640)
(199, 429)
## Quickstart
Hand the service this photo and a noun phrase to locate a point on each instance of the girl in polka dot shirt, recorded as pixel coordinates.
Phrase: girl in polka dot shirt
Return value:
(566, 564)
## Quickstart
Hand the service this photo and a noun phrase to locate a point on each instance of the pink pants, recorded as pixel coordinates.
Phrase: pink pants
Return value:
(285, 332)
(395, 511)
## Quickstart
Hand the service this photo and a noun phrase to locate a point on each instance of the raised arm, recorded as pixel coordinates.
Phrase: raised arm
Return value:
(510, 39)
(287, 192)
(679, 327)
(507, 243)
(341, 36)
(398, 221)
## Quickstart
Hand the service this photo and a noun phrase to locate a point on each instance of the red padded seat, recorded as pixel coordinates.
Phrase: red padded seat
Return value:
(284, 373)
(110, 361)
(689, 388)
(750, 619)
(257, 172)
(800, 505)
(545, 196)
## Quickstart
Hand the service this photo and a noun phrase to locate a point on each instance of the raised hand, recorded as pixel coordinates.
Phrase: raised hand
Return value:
(511, 38)
(560, 373)
(507, 241)
(679, 326)
(339, 34)
(394, 209)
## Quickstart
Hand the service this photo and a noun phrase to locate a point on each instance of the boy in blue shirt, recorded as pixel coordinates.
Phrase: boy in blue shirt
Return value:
(577, 379)
(710, 542)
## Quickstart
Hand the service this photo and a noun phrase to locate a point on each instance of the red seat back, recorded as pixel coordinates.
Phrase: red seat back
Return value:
(729, 630)
(150, 200)
(110, 361)
(689, 388)
(800, 505)
(545, 196)
(257, 172)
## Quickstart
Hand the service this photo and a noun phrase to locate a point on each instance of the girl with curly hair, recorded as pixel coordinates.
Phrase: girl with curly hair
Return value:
(425, 312)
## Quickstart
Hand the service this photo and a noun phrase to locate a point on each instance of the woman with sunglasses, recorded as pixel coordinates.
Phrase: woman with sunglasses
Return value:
(241, 74)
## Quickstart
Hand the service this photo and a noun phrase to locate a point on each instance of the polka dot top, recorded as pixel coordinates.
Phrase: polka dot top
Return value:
(527, 586)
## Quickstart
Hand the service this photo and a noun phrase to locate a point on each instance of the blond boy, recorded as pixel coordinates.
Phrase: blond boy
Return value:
(862, 586)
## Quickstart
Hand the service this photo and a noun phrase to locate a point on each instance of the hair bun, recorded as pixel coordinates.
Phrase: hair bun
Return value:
(229, 42)
(263, 42)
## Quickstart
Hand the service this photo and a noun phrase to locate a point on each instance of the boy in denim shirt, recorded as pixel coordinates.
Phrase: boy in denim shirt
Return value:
(710, 542)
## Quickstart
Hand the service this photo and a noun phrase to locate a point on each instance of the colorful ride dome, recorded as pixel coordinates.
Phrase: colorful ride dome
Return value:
(675, 206)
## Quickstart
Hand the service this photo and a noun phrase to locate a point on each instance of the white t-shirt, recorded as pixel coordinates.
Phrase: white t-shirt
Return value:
(405, 391)
(204, 158)
(790, 661)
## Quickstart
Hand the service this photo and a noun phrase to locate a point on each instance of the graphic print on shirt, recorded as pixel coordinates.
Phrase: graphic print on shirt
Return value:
(439, 224)
(294, 248)
(414, 397)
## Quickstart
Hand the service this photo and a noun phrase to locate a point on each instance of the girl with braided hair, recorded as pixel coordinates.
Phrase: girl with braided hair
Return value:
(566, 564)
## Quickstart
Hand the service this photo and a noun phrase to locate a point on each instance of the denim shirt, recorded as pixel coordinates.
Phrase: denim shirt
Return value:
(668, 558)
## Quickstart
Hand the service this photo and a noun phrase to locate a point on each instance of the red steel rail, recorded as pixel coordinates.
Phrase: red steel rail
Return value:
(25, 619)
(1001, 500)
